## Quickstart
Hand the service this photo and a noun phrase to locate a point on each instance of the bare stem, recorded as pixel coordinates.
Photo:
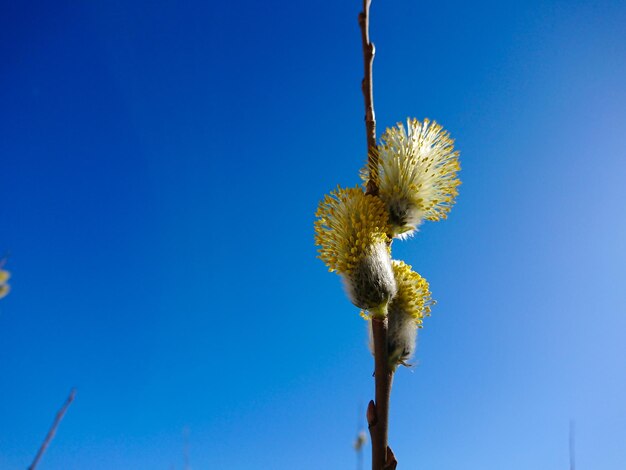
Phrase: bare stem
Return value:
(378, 412)
(53, 429)
(367, 87)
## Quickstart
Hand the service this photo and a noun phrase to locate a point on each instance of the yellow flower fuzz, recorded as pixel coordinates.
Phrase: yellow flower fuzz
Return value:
(413, 297)
(416, 173)
(349, 224)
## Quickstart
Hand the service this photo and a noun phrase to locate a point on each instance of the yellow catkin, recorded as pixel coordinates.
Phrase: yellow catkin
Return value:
(417, 171)
(413, 297)
(349, 223)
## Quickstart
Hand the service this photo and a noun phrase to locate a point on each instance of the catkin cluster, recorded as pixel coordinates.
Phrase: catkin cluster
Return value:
(416, 175)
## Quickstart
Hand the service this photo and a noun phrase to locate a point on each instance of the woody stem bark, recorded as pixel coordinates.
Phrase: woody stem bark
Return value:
(378, 410)
(367, 87)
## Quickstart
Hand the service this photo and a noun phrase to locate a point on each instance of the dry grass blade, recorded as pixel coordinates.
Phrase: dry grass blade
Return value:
(53, 429)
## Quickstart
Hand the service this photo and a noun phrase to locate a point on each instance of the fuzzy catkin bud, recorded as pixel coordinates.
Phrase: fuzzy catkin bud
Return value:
(401, 336)
(371, 284)
(406, 313)
(351, 231)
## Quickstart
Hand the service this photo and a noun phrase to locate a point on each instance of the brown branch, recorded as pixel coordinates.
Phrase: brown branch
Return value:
(53, 429)
(378, 412)
(367, 87)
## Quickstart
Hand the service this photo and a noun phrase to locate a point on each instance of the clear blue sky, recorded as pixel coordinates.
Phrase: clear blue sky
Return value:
(161, 163)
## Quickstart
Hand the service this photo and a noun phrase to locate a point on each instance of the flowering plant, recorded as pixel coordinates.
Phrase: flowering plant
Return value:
(410, 176)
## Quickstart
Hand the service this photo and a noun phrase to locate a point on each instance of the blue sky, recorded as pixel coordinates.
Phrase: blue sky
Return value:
(161, 165)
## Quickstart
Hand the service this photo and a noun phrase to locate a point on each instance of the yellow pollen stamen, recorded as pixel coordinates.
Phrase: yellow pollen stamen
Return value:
(349, 223)
(417, 173)
(413, 296)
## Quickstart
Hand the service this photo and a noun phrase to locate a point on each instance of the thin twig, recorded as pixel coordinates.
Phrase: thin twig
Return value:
(367, 86)
(53, 429)
(378, 411)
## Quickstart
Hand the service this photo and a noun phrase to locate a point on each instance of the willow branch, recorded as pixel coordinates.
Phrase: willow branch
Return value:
(367, 87)
(53, 429)
(378, 411)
